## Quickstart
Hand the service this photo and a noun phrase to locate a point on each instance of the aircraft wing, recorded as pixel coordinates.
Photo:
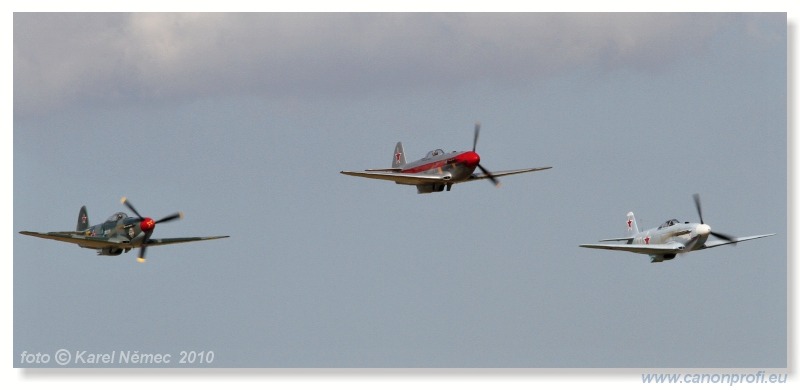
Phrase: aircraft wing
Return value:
(168, 241)
(716, 243)
(481, 175)
(99, 243)
(79, 238)
(651, 249)
(398, 177)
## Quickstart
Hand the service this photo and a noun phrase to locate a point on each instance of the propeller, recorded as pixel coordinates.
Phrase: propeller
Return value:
(474, 146)
(147, 225)
(700, 213)
(477, 132)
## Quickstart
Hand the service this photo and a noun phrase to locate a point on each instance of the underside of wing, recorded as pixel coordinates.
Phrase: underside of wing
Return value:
(654, 249)
(168, 241)
(400, 178)
(76, 238)
(716, 243)
(481, 175)
(100, 243)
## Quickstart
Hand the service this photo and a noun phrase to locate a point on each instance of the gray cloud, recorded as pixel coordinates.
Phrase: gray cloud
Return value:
(63, 58)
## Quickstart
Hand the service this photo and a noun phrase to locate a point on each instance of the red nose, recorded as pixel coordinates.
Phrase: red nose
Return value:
(147, 224)
(470, 159)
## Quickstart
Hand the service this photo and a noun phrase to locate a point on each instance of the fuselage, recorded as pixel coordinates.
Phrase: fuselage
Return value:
(689, 235)
(120, 228)
(456, 166)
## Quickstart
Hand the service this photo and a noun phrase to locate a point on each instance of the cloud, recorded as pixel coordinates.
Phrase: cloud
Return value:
(71, 58)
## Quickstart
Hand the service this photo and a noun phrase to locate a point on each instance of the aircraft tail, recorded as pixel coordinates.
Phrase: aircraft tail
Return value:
(632, 227)
(399, 158)
(83, 220)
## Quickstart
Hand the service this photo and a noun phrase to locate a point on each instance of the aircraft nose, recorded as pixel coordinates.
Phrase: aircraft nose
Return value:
(470, 159)
(147, 224)
(703, 229)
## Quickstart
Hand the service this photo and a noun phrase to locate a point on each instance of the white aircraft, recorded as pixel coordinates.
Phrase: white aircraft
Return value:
(671, 238)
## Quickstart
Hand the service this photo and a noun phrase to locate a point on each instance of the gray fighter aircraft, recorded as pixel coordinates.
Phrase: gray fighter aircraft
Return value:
(119, 233)
(671, 238)
(438, 170)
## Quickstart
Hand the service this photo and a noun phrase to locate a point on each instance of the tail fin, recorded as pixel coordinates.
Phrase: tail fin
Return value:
(632, 227)
(399, 156)
(83, 220)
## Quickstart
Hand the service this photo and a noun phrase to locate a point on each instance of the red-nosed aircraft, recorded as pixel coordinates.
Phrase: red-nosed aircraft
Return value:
(438, 170)
(118, 233)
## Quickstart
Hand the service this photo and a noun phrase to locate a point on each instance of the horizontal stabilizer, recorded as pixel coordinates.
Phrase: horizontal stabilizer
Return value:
(628, 239)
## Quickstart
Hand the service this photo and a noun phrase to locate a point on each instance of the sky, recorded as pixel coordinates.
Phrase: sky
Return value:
(243, 122)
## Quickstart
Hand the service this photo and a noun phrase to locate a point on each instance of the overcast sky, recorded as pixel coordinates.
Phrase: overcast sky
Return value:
(243, 122)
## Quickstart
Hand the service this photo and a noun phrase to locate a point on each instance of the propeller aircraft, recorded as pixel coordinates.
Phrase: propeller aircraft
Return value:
(119, 233)
(438, 170)
(671, 238)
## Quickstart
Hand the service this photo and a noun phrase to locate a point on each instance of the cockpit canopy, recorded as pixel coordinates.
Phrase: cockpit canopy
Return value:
(117, 216)
(434, 153)
(669, 223)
